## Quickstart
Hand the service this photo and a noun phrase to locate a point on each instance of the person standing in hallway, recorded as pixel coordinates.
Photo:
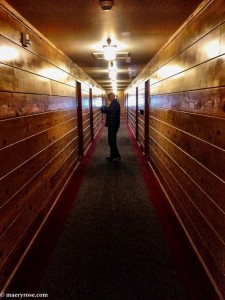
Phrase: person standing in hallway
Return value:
(113, 123)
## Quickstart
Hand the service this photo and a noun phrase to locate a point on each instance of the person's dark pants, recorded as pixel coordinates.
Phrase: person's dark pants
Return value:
(112, 132)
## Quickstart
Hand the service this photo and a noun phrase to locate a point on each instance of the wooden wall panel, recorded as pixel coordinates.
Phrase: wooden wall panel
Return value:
(194, 125)
(187, 131)
(15, 105)
(193, 146)
(38, 133)
(97, 119)
(86, 120)
(141, 115)
(200, 233)
(208, 102)
(29, 147)
(41, 194)
(21, 199)
(14, 130)
(131, 110)
(13, 181)
(97, 115)
(132, 118)
(201, 182)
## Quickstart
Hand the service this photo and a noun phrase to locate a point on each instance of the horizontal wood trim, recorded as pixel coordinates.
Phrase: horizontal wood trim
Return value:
(97, 127)
(194, 236)
(141, 121)
(11, 247)
(199, 175)
(24, 196)
(19, 81)
(29, 147)
(198, 149)
(86, 117)
(14, 130)
(189, 34)
(178, 84)
(206, 235)
(14, 105)
(196, 54)
(38, 133)
(96, 114)
(205, 206)
(12, 24)
(86, 128)
(87, 142)
(15, 180)
(39, 66)
(207, 102)
(187, 113)
(205, 127)
(132, 114)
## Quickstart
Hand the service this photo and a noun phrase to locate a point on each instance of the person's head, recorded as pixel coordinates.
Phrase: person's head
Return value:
(111, 96)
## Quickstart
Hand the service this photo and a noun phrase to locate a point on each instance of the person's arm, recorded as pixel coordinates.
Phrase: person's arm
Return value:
(104, 109)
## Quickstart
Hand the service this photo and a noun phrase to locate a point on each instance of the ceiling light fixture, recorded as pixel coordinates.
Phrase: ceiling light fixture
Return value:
(109, 51)
(114, 86)
(106, 5)
(112, 69)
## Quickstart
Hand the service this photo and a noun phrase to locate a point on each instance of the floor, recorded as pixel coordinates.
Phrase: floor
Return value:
(113, 236)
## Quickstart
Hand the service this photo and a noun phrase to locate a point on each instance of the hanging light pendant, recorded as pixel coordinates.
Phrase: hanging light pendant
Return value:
(109, 51)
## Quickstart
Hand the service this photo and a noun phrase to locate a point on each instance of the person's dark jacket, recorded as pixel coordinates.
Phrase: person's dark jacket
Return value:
(112, 114)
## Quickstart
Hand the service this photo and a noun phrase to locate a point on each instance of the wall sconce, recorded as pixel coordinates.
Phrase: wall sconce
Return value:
(109, 51)
(106, 5)
(25, 39)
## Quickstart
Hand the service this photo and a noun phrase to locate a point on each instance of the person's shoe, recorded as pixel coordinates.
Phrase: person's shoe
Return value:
(108, 158)
(115, 159)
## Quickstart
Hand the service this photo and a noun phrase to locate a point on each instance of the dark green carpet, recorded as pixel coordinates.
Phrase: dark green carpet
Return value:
(112, 246)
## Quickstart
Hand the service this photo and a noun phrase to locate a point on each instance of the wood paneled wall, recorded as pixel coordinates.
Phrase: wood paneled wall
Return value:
(86, 113)
(38, 133)
(131, 109)
(97, 103)
(141, 114)
(187, 131)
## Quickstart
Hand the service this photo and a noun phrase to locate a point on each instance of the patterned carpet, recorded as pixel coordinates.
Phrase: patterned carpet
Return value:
(112, 246)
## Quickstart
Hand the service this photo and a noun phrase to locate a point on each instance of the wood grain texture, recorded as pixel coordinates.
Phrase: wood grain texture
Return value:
(141, 115)
(39, 132)
(187, 131)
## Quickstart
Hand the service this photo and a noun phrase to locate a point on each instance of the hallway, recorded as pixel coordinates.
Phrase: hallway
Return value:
(157, 214)
(112, 245)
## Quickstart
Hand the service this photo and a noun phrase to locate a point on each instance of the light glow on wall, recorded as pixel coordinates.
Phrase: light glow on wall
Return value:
(53, 73)
(7, 53)
(168, 71)
(212, 49)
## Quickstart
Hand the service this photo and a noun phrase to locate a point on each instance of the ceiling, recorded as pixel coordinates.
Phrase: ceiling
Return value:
(79, 28)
